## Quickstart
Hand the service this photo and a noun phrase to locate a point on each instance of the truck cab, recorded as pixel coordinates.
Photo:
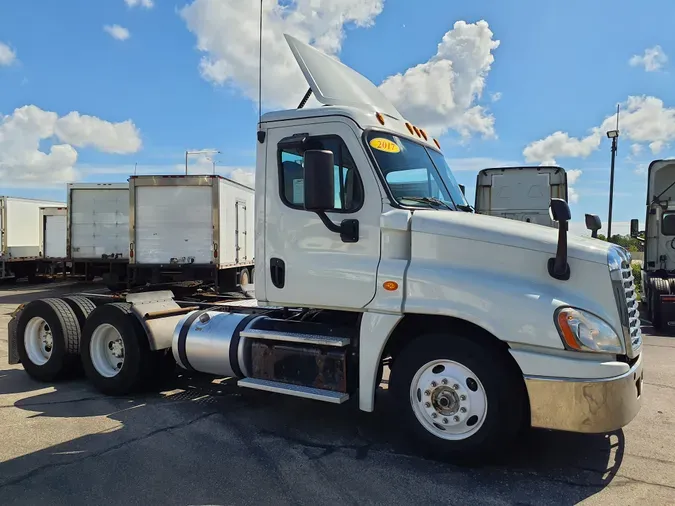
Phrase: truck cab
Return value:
(368, 256)
(658, 269)
(520, 193)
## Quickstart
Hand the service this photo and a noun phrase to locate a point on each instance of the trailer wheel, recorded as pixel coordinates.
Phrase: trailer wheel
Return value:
(115, 352)
(244, 277)
(457, 397)
(48, 339)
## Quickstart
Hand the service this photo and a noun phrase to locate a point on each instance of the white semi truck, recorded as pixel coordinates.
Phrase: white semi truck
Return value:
(658, 267)
(487, 325)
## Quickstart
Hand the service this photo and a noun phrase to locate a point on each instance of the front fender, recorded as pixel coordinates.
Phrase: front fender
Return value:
(514, 308)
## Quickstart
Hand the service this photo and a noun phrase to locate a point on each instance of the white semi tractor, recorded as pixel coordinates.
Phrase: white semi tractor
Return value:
(487, 325)
(658, 267)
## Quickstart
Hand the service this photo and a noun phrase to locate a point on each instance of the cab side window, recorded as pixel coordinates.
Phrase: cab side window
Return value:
(348, 185)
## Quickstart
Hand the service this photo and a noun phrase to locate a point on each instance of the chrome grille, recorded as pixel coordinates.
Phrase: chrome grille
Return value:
(630, 315)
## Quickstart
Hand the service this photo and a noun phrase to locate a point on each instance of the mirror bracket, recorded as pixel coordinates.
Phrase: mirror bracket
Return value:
(348, 229)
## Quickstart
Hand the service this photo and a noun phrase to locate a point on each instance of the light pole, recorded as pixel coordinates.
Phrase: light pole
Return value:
(614, 135)
(213, 162)
(201, 152)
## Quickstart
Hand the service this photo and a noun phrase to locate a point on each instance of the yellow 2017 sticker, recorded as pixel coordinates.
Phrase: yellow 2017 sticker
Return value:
(384, 145)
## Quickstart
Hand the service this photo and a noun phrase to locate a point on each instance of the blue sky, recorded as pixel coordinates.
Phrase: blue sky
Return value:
(559, 67)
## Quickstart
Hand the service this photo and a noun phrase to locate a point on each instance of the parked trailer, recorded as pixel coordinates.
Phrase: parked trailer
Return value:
(53, 235)
(98, 231)
(191, 228)
(487, 325)
(20, 236)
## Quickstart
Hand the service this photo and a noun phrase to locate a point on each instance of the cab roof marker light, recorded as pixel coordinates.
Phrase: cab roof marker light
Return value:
(438, 144)
(417, 131)
(424, 134)
(410, 128)
(380, 118)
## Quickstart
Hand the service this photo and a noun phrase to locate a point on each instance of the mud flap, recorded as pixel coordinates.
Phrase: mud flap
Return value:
(12, 343)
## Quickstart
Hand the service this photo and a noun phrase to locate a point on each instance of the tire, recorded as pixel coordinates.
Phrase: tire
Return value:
(659, 287)
(253, 275)
(57, 355)
(244, 278)
(480, 380)
(115, 353)
(81, 306)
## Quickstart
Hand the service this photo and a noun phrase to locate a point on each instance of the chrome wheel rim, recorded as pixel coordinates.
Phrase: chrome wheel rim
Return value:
(107, 350)
(448, 400)
(38, 341)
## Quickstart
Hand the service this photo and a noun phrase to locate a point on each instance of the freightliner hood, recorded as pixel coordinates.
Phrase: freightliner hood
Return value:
(517, 234)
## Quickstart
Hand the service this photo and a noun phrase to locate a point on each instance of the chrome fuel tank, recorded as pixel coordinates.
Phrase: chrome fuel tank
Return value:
(210, 342)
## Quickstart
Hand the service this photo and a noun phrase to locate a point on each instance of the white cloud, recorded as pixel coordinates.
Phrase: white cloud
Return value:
(440, 94)
(477, 164)
(636, 149)
(117, 32)
(573, 176)
(496, 97)
(22, 160)
(642, 120)
(227, 32)
(652, 60)
(7, 55)
(148, 4)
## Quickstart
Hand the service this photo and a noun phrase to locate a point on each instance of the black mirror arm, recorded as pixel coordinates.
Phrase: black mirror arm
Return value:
(348, 229)
(558, 267)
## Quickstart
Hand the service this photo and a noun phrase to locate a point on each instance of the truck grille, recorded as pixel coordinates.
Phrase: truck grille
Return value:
(628, 309)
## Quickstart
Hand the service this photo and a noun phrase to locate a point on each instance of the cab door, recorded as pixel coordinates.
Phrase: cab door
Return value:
(307, 265)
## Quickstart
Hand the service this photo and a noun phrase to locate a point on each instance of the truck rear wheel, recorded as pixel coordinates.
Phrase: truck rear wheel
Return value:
(81, 306)
(115, 353)
(48, 339)
(458, 398)
(659, 287)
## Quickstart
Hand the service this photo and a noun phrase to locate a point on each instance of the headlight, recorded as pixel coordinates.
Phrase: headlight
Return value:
(583, 331)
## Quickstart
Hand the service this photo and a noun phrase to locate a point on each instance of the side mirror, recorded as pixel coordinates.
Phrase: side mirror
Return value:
(593, 224)
(319, 176)
(558, 267)
(462, 189)
(634, 228)
(560, 210)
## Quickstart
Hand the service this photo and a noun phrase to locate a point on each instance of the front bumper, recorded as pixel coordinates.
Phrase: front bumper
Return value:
(579, 405)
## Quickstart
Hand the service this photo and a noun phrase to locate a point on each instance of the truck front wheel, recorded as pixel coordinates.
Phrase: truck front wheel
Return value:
(458, 398)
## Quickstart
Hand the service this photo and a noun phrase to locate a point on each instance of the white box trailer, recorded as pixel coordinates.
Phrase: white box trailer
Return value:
(191, 228)
(20, 236)
(53, 232)
(520, 193)
(98, 231)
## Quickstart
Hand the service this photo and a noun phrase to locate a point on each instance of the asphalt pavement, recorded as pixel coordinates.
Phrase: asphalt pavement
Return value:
(202, 442)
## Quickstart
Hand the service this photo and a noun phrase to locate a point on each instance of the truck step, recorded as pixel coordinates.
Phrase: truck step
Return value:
(296, 337)
(316, 394)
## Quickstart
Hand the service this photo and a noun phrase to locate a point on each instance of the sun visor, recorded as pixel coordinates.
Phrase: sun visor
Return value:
(333, 83)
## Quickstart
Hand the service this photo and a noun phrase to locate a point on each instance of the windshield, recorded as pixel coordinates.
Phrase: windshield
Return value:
(414, 174)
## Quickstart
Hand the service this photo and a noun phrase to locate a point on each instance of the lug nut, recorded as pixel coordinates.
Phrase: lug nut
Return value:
(434, 384)
(445, 420)
(462, 410)
(434, 415)
(445, 381)
(427, 404)
(462, 397)
(456, 418)
(427, 392)
(455, 386)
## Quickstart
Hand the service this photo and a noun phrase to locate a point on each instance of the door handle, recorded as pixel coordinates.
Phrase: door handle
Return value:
(278, 272)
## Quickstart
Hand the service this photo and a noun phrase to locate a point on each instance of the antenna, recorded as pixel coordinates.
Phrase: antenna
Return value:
(135, 167)
(260, 66)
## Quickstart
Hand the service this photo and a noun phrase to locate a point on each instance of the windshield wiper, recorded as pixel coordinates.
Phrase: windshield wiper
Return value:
(429, 200)
(466, 208)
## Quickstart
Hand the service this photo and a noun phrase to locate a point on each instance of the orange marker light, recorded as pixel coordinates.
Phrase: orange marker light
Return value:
(424, 134)
(410, 128)
(390, 286)
(417, 131)
(380, 118)
(438, 144)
